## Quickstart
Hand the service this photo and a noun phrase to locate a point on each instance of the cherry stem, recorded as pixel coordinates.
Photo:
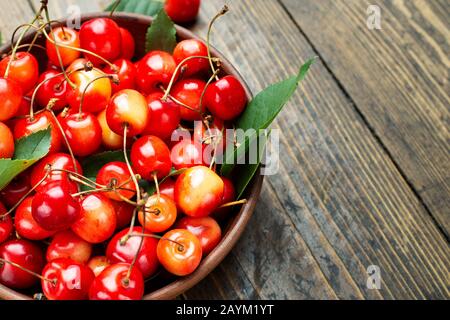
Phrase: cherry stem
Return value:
(137, 253)
(155, 179)
(211, 79)
(28, 271)
(116, 4)
(29, 46)
(148, 235)
(224, 10)
(80, 110)
(234, 203)
(178, 101)
(36, 89)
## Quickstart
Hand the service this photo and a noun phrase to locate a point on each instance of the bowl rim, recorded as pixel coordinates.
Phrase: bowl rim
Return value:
(239, 221)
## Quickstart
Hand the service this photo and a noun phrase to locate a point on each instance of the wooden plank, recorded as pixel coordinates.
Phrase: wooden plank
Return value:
(12, 15)
(398, 78)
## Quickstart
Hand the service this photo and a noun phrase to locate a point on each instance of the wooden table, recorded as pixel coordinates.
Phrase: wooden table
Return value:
(364, 166)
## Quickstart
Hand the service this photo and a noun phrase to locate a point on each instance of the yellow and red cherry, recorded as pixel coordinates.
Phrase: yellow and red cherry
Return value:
(54, 88)
(158, 214)
(24, 69)
(189, 92)
(98, 263)
(206, 229)
(126, 73)
(66, 244)
(182, 11)
(64, 36)
(191, 48)
(10, 98)
(110, 139)
(155, 69)
(116, 174)
(165, 116)
(26, 226)
(6, 142)
(128, 44)
(187, 153)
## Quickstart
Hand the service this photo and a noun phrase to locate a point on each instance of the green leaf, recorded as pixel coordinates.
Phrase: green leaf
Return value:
(146, 7)
(92, 165)
(161, 35)
(28, 151)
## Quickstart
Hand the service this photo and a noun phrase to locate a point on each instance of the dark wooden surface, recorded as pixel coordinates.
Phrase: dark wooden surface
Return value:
(364, 162)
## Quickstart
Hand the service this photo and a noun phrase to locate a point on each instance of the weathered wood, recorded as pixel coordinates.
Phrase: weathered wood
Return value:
(12, 14)
(398, 79)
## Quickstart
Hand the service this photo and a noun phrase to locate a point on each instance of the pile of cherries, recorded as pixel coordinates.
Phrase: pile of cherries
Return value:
(104, 241)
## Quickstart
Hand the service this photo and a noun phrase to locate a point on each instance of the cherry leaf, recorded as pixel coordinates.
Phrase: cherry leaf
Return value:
(161, 35)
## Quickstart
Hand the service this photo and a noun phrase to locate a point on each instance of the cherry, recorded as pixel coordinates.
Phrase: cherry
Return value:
(6, 225)
(6, 142)
(155, 69)
(190, 48)
(187, 154)
(226, 98)
(206, 229)
(54, 208)
(229, 195)
(180, 252)
(167, 188)
(25, 254)
(97, 220)
(10, 98)
(63, 36)
(24, 69)
(160, 213)
(115, 174)
(66, 244)
(124, 249)
(124, 212)
(101, 36)
(26, 226)
(24, 109)
(128, 44)
(114, 283)
(126, 72)
(55, 88)
(110, 139)
(41, 121)
(66, 279)
(98, 264)
(83, 133)
(127, 108)
(16, 189)
(213, 135)
(199, 191)
(150, 155)
(182, 11)
(165, 116)
(189, 92)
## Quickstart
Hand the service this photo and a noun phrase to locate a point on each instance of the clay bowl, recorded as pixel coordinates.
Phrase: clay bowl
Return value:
(169, 287)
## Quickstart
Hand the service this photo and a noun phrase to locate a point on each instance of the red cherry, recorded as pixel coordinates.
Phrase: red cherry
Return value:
(16, 189)
(128, 44)
(213, 136)
(27, 255)
(25, 224)
(64, 36)
(83, 133)
(226, 98)
(187, 154)
(165, 116)
(126, 72)
(116, 174)
(127, 108)
(110, 139)
(41, 121)
(54, 208)
(101, 36)
(113, 284)
(206, 229)
(10, 98)
(6, 225)
(229, 195)
(189, 92)
(190, 48)
(24, 70)
(124, 212)
(147, 261)
(182, 11)
(6, 142)
(180, 252)
(24, 109)
(55, 88)
(167, 188)
(199, 191)
(97, 220)
(66, 244)
(160, 213)
(155, 69)
(69, 280)
(98, 264)
(150, 155)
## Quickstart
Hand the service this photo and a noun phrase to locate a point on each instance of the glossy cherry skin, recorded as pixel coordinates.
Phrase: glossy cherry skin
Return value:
(150, 155)
(6, 142)
(54, 87)
(24, 109)
(24, 253)
(116, 173)
(26, 226)
(127, 108)
(24, 70)
(190, 48)
(6, 225)
(10, 98)
(206, 229)
(198, 191)
(128, 44)
(189, 92)
(110, 139)
(160, 213)
(182, 11)
(124, 212)
(70, 280)
(98, 264)
(97, 220)
(187, 154)
(155, 69)
(83, 133)
(54, 208)
(64, 36)
(226, 99)
(66, 244)
(26, 126)
(101, 36)
(147, 261)
(182, 255)
(126, 72)
(16, 189)
(113, 284)
(229, 195)
(165, 116)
